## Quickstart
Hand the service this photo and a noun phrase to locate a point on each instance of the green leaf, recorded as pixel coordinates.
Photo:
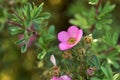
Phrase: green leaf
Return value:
(106, 9)
(24, 48)
(42, 44)
(115, 38)
(107, 27)
(115, 64)
(51, 29)
(94, 78)
(38, 21)
(95, 61)
(113, 53)
(98, 26)
(45, 15)
(80, 21)
(41, 55)
(116, 76)
(107, 71)
(49, 38)
(37, 10)
(93, 2)
(15, 30)
(111, 39)
(28, 9)
(20, 41)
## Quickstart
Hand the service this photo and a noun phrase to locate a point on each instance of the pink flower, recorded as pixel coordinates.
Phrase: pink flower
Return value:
(54, 78)
(70, 38)
(64, 77)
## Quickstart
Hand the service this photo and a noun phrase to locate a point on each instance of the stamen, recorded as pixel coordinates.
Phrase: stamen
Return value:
(71, 40)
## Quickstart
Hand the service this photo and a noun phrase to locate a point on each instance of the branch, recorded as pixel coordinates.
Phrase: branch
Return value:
(97, 6)
(96, 12)
(14, 23)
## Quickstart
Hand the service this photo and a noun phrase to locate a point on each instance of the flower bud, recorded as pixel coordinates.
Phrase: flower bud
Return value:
(67, 54)
(81, 51)
(88, 39)
(55, 70)
(91, 71)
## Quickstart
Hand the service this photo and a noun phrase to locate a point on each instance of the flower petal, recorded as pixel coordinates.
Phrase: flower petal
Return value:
(54, 78)
(64, 46)
(79, 35)
(63, 36)
(64, 77)
(53, 60)
(73, 31)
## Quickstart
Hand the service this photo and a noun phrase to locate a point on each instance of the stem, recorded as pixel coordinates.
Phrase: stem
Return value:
(108, 51)
(96, 12)
(14, 23)
(97, 6)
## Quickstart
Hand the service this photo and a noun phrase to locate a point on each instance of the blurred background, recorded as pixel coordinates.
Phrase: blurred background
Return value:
(17, 66)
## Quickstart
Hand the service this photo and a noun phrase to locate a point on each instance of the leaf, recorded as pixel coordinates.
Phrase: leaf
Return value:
(45, 15)
(20, 41)
(93, 2)
(115, 38)
(98, 26)
(15, 30)
(24, 48)
(116, 76)
(80, 21)
(113, 53)
(27, 11)
(51, 29)
(115, 64)
(38, 21)
(42, 44)
(94, 78)
(111, 39)
(49, 38)
(106, 9)
(38, 10)
(107, 71)
(95, 61)
(41, 55)
(107, 27)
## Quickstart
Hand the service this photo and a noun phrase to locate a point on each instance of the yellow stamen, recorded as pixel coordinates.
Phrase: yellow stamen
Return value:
(71, 41)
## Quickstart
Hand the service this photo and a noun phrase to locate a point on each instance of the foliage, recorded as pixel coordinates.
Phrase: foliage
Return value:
(92, 51)
(28, 21)
(97, 22)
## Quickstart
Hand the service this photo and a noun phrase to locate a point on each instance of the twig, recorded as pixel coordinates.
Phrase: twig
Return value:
(97, 7)
(96, 12)
(14, 23)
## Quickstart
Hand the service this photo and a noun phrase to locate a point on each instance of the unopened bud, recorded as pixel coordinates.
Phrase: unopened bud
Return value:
(55, 70)
(81, 51)
(91, 71)
(88, 39)
(67, 54)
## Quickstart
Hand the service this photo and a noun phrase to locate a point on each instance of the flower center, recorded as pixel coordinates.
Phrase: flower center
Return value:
(71, 41)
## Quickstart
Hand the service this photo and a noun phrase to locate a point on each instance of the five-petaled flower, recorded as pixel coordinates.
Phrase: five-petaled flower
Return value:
(63, 77)
(69, 38)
